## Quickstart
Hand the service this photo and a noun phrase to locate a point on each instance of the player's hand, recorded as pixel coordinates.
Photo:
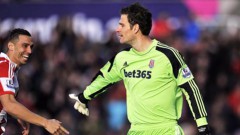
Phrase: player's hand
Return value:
(80, 105)
(25, 126)
(204, 130)
(54, 127)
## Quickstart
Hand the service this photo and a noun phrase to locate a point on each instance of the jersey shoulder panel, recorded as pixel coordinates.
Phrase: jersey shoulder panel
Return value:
(123, 52)
(118, 57)
(173, 55)
(4, 67)
(6, 83)
(121, 56)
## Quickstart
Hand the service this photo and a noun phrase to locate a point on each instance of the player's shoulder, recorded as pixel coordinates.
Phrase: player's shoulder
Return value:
(4, 64)
(125, 50)
(168, 50)
(164, 47)
(123, 53)
(4, 61)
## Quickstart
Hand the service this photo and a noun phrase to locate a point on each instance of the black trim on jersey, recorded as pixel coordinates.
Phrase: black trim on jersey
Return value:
(112, 59)
(186, 86)
(111, 63)
(127, 49)
(176, 65)
(100, 91)
(82, 99)
(99, 73)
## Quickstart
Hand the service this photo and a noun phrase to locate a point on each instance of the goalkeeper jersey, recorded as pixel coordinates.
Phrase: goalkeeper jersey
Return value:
(154, 80)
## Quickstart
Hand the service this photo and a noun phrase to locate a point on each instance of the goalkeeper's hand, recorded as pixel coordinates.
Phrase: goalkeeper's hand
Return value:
(204, 130)
(80, 104)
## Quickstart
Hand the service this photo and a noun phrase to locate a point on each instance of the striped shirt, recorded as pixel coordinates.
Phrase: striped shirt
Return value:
(8, 81)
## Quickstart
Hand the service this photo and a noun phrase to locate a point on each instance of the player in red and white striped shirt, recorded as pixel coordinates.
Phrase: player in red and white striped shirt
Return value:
(19, 48)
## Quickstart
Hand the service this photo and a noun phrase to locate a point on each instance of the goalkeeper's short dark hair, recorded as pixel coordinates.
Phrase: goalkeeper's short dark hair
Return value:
(137, 14)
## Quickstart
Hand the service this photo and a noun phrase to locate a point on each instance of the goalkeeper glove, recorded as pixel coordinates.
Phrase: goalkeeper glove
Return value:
(80, 104)
(204, 130)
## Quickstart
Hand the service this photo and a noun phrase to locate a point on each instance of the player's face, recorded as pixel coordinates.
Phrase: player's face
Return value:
(124, 32)
(22, 50)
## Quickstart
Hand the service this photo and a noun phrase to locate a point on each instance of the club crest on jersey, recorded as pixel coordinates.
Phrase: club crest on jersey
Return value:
(151, 63)
(186, 72)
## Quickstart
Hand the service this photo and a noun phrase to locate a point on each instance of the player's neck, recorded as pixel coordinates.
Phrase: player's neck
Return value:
(10, 56)
(142, 43)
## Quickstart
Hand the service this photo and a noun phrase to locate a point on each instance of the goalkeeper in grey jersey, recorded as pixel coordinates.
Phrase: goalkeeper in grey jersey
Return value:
(155, 76)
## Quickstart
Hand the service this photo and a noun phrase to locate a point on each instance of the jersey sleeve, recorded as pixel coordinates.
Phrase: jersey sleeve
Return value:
(185, 81)
(107, 76)
(195, 102)
(6, 82)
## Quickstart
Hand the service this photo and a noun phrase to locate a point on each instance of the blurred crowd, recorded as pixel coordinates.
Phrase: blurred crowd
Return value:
(68, 62)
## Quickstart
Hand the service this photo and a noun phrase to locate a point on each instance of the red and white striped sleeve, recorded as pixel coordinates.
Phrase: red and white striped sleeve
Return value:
(6, 77)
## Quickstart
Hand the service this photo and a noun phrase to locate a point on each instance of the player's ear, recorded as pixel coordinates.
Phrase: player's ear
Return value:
(10, 46)
(135, 28)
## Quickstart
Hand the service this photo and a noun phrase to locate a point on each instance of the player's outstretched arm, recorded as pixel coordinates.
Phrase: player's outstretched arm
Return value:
(54, 127)
(194, 98)
(80, 104)
(17, 110)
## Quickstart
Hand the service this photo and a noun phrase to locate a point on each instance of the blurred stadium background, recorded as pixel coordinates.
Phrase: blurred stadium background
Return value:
(73, 39)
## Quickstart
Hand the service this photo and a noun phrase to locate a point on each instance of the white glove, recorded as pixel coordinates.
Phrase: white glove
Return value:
(81, 107)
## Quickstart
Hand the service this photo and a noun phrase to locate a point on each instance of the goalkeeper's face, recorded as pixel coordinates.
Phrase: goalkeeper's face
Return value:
(124, 32)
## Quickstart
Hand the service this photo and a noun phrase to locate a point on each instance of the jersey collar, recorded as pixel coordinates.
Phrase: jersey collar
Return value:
(154, 43)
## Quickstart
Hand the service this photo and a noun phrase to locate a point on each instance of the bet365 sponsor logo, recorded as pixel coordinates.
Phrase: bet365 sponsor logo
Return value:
(138, 74)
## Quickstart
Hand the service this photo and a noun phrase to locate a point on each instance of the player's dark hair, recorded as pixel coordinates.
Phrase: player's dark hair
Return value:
(137, 14)
(14, 34)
